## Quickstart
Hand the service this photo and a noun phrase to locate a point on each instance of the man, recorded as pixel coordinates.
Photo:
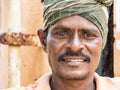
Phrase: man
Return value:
(74, 36)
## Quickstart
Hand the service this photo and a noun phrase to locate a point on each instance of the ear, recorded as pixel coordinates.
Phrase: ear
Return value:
(43, 38)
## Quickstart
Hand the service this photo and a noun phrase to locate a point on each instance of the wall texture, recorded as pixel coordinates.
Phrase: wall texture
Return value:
(33, 60)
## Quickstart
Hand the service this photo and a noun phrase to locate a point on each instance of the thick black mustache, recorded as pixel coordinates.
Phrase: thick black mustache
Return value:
(72, 53)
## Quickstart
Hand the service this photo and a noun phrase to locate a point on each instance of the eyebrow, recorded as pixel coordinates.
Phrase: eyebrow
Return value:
(91, 30)
(60, 27)
(64, 28)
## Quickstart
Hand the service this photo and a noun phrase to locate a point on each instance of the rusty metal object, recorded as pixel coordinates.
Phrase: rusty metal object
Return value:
(19, 39)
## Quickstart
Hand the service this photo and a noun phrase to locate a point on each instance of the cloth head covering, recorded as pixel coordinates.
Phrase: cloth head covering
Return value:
(93, 10)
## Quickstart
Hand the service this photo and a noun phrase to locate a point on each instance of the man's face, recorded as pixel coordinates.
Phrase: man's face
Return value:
(74, 47)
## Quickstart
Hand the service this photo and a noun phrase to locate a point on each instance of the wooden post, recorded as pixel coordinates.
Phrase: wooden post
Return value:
(117, 37)
(14, 25)
(3, 48)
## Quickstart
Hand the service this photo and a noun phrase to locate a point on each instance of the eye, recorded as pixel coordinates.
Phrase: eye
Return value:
(89, 36)
(61, 34)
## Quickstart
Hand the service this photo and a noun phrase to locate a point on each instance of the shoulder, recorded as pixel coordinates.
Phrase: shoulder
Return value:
(116, 81)
(41, 84)
(108, 83)
(29, 87)
(20, 88)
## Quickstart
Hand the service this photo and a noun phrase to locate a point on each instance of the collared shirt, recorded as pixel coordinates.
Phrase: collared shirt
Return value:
(102, 83)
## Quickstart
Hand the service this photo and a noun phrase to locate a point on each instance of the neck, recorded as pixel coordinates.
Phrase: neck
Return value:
(62, 84)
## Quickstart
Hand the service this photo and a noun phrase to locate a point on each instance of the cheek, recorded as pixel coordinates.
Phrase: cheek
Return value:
(54, 49)
(95, 46)
(55, 45)
(95, 49)
(51, 51)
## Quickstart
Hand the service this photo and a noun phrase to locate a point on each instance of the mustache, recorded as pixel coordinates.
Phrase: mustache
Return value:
(72, 53)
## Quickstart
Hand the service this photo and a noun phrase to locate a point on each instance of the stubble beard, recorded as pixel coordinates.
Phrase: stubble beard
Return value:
(73, 77)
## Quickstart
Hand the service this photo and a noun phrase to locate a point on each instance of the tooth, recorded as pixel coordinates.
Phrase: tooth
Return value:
(81, 60)
(74, 60)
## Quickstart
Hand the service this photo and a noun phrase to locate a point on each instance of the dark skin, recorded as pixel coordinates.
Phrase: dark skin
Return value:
(74, 46)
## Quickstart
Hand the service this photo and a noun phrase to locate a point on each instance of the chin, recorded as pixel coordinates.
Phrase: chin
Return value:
(74, 75)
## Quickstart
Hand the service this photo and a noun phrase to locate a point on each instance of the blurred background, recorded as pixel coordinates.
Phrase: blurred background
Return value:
(22, 60)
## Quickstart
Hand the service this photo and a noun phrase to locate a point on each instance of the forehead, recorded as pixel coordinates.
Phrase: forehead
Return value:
(74, 22)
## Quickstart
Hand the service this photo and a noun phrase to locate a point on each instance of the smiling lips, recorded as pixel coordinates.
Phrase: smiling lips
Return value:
(74, 61)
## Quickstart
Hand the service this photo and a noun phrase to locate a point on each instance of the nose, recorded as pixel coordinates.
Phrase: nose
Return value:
(76, 43)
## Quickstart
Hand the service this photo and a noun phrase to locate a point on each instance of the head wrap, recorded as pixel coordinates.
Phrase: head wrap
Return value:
(93, 10)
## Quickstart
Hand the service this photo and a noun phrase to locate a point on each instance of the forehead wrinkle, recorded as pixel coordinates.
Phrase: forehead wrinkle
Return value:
(66, 28)
(60, 27)
(91, 30)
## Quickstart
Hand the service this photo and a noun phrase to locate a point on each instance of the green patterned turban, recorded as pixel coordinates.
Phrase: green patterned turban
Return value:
(93, 10)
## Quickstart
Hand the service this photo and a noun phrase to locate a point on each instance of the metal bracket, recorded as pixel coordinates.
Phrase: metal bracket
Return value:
(19, 39)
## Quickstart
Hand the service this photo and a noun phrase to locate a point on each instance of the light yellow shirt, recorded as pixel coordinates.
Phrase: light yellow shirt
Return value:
(102, 83)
